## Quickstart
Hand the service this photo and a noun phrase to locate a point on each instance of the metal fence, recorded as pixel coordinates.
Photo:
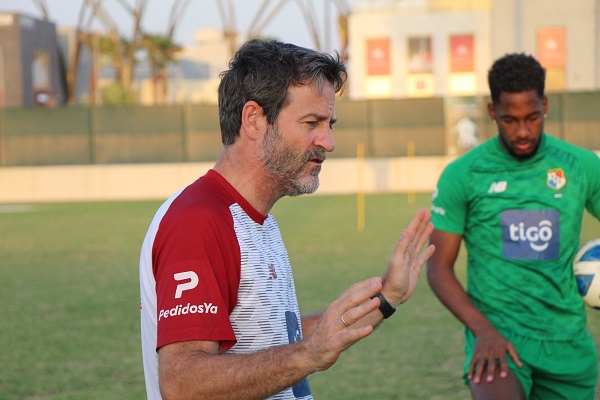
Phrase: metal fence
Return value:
(385, 128)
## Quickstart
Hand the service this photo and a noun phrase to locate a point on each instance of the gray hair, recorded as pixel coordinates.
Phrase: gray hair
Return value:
(262, 71)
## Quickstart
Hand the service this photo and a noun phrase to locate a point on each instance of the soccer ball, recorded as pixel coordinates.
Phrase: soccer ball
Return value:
(586, 266)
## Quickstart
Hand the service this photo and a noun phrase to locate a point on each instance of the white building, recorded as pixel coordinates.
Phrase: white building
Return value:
(424, 48)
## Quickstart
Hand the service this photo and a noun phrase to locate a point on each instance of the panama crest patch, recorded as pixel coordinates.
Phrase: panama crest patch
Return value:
(556, 178)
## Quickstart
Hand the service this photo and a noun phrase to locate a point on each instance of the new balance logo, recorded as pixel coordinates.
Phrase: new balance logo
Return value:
(497, 187)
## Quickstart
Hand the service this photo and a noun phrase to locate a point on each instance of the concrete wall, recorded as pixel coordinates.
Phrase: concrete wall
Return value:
(158, 181)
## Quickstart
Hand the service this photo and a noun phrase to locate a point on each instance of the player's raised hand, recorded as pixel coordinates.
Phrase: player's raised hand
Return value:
(404, 266)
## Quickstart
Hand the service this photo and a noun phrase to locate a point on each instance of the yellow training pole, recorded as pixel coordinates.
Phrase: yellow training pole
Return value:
(410, 155)
(360, 192)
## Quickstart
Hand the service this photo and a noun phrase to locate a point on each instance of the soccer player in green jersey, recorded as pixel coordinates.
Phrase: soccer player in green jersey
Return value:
(517, 201)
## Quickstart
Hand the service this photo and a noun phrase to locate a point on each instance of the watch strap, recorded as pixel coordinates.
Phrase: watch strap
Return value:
(386, 308)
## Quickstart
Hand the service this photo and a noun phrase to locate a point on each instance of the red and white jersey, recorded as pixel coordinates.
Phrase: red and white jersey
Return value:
(213, 268)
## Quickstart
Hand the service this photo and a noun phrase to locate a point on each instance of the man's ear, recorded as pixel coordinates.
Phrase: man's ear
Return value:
(545, 104)
(491, 111)
(254, 121)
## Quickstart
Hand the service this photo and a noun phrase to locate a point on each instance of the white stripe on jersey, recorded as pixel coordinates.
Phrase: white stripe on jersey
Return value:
(266, 289)
(148, 308)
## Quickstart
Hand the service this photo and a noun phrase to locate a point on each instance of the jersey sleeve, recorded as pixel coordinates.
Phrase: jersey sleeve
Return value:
(196, 265)
(450, 201)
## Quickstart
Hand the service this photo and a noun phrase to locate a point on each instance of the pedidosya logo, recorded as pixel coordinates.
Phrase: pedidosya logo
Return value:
(530, 234)
(190, 276)
(181, 309)
(190, 281)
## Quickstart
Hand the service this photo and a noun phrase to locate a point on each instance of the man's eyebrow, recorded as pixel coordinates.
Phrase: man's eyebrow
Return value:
(532, 114)
(321, 117)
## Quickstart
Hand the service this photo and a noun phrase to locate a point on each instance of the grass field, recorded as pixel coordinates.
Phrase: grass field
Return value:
(70, 300)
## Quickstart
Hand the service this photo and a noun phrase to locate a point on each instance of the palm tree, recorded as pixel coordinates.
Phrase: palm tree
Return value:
(122, 52)
(161, 51)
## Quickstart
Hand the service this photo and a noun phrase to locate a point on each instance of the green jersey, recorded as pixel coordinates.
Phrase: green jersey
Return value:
(521, 222)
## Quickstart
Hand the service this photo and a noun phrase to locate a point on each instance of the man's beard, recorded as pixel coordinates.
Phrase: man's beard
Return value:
(288, 168)
(507, 146)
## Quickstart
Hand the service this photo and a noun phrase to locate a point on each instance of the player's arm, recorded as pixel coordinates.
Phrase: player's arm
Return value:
(592, 165)
(490, 344)
(445, 284)
(198, 370)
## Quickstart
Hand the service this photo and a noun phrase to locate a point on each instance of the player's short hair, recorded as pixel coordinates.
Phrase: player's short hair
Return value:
(262, 71)
(515, 73)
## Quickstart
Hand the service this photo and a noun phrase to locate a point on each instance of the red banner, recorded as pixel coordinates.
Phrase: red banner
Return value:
(462, 53)
(378, 56)
(551, 47)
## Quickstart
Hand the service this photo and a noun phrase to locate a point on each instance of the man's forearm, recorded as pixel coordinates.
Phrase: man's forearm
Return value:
(233, 376)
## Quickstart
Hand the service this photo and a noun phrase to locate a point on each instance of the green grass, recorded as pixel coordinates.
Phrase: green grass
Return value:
(70, 297)
(71, 328)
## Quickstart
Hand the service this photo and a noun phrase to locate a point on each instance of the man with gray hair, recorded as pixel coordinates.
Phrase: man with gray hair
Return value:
(220, 318)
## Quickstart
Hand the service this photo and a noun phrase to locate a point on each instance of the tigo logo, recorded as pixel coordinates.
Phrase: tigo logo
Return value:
(181, 276)
(530, 234)
(533, 234)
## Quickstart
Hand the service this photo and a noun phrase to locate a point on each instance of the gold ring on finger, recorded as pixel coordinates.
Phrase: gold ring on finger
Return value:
(344, 321)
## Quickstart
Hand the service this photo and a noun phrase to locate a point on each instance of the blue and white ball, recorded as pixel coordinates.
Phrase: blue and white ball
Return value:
(586, 266)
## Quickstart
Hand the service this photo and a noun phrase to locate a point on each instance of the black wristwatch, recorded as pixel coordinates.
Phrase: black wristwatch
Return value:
(386, 308)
